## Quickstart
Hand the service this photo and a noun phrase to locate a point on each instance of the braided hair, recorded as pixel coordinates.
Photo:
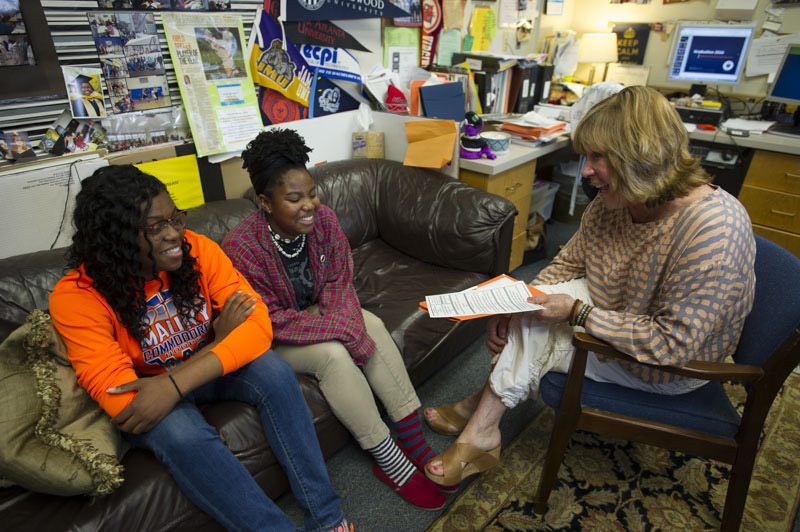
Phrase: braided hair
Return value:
(271, 155)
(110, 211)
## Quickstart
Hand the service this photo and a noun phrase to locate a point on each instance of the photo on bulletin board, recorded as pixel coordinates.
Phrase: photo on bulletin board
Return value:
(190, 5)
(221, 52)
(85, 91)
(115, 4)
(16, 145)
(148, 92)
(414, 8)
(15, 45)
(152, 4)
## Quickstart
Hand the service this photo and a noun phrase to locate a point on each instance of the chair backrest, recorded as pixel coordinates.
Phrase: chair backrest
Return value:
(776, 307)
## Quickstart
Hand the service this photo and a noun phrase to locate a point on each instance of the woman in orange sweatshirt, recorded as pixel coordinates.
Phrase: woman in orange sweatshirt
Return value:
(156, 321)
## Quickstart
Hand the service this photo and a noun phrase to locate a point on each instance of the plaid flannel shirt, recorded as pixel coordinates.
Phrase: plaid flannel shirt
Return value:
(254, 254)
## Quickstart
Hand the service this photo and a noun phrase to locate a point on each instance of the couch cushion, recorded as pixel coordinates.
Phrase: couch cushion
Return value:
(391, 285)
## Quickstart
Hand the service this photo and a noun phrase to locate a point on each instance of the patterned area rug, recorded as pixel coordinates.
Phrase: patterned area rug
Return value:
(614, 485)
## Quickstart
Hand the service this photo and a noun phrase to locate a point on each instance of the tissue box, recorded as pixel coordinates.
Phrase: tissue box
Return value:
(368, 145)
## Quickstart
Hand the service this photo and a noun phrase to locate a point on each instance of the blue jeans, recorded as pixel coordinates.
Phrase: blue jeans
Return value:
(213, 478)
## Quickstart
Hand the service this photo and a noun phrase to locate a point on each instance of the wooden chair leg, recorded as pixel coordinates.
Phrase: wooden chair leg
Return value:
(562, 433)
(566, 421)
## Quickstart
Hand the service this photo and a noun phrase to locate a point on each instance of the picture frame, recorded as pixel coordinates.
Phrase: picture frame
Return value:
(42, 79)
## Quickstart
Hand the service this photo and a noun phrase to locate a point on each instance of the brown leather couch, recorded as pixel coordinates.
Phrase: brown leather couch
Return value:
(413, 233)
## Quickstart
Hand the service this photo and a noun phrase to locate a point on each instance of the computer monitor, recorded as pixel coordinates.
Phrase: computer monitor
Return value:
(785, 88)
(710, 53)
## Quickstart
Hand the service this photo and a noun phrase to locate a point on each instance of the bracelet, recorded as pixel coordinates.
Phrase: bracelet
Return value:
(584, 313)
(573, 314)
(175, 384)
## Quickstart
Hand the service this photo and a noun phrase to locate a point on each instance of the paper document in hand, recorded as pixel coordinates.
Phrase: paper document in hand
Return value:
(507, 299)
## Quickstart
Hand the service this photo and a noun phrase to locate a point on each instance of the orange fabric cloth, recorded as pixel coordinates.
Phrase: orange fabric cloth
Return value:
(103, 352)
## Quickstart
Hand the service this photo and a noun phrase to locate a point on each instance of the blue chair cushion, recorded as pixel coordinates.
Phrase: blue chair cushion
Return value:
(706, 409)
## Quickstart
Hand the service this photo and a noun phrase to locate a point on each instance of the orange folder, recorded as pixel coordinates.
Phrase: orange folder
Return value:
(534, 292)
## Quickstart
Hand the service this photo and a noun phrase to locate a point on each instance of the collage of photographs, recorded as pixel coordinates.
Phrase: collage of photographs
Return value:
(161, 5)
(131, 60)
(15, 46)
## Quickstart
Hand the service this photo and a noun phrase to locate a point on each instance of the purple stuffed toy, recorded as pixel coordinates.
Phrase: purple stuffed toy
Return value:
(472, 145)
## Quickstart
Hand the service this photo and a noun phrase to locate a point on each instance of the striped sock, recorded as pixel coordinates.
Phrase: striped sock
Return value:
(411, 438)
(393, 462)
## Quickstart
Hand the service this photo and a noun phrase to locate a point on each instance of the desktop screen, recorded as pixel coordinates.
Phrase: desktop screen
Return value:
(709, 53)
(786, 87)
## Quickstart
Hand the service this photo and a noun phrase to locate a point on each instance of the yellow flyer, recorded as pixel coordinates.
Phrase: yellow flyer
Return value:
(181, 176)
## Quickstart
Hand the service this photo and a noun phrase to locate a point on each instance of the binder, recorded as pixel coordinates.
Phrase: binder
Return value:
(528, 79)
(543, 79)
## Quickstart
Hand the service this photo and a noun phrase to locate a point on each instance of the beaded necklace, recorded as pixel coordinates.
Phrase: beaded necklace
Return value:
(280, 240)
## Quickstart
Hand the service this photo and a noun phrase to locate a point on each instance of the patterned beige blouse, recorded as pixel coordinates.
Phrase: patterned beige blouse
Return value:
(669, 291)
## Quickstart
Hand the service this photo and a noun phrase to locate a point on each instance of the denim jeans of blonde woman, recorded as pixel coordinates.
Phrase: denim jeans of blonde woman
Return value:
(348, 389)
(534, 349)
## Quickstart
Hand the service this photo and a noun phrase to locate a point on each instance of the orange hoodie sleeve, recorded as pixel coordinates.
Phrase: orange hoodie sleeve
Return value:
(221, 280)
(98, 346)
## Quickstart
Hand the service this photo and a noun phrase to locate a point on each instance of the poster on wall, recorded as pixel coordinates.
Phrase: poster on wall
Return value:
(220, 100)
(631, 42)
(85, 91)
(339, 9)
(15, 46)
(130, 56)
(414, 7)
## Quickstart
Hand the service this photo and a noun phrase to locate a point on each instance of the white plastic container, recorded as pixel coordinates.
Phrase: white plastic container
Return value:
(543, 196)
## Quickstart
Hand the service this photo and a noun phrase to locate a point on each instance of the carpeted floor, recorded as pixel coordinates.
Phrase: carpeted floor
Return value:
(607, 484)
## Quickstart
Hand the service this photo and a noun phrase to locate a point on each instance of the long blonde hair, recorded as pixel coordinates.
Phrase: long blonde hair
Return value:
(646, 145)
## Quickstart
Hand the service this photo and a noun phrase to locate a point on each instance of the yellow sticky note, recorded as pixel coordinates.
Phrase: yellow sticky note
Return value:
(181, 175)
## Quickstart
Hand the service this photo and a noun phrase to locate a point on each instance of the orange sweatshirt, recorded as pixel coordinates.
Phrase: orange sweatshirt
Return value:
(103, 352)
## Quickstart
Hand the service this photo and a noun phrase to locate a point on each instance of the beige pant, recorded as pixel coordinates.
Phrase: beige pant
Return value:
(348, 389)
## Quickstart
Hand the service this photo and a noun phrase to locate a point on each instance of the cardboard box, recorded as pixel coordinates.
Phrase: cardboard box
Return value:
(368, 145)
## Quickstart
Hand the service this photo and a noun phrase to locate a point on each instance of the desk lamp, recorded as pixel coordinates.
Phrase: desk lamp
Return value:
(598, 48)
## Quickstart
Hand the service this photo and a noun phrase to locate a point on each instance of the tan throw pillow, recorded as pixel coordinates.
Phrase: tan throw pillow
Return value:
(54, 438)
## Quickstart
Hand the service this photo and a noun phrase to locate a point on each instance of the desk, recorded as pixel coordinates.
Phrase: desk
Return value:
(771, 188)
(510, 176)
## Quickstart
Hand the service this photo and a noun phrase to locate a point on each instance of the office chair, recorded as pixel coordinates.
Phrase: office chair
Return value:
(702, 422)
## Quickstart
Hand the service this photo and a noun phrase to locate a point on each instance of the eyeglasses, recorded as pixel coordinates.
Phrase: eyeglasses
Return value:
(177, 221)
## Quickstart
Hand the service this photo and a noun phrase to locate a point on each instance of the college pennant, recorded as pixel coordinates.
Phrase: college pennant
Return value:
(332, 63)
(432, 22)
(276, 63)
(339, 9)
(328, 98)
(321, 33)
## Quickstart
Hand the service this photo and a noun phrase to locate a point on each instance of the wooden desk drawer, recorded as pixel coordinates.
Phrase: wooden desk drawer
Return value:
(776, 171)
(786, 240)
(771, 208)
(506, 184)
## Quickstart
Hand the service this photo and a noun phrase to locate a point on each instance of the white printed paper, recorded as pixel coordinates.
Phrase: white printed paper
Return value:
(506, 299)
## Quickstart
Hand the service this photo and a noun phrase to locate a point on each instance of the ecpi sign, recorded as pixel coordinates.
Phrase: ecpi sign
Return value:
(321, 54)
(336, 63)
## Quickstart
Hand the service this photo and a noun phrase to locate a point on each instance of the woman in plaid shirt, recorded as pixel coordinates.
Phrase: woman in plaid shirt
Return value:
(294, 253)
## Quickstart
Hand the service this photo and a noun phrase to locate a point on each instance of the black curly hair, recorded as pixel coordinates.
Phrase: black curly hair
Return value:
(271, 155)
(110, 210)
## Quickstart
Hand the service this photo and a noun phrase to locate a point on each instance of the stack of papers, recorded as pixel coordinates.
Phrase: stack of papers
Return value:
(755, 127)
(501, 295)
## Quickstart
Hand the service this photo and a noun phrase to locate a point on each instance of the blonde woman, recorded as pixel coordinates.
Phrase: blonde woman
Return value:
(661, 268)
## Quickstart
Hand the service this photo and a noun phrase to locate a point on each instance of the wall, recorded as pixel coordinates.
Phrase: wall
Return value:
(368, 32)
(585, 16)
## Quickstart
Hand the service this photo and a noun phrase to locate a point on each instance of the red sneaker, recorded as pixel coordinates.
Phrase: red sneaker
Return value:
(344, 526)
(418, 491)
(421, 467)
